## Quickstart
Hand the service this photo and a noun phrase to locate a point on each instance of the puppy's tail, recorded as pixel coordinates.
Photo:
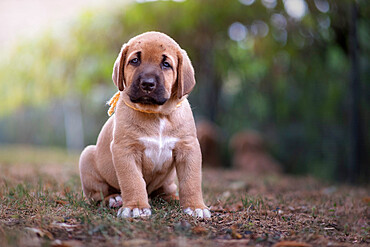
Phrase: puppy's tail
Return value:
(112, 103)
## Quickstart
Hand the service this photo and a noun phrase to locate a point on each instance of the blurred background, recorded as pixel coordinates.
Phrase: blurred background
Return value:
(285, 80)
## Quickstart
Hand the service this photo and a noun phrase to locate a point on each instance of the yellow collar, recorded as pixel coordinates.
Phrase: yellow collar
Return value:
(113, 102)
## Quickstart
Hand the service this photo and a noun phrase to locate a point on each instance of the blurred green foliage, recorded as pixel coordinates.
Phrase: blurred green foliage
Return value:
(285, 77)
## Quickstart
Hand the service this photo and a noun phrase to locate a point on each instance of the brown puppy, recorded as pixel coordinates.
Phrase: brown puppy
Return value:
(250, 154)
(151, 137)
(209, 140)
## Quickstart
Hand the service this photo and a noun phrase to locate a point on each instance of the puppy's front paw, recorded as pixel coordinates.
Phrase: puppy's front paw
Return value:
(198, 212)
(134, 213)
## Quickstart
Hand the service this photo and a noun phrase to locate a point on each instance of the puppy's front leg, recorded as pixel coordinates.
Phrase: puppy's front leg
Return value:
(131, 183)
(189, 172)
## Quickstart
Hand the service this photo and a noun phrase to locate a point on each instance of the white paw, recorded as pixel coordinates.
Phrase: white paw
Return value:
(135, 213)
(199, 213)
(115, 202)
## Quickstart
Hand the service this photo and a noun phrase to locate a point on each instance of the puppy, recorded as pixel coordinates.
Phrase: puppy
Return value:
(250, 154)
(151, 137)
(209, 139)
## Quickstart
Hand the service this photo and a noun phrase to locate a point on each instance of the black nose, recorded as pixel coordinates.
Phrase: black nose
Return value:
(148, 84)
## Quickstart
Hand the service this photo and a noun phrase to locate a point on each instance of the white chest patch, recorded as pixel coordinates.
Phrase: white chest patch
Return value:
(159, 148)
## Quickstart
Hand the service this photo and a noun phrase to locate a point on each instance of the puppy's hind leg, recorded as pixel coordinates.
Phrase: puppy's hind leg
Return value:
(168, 191)
(93, 185)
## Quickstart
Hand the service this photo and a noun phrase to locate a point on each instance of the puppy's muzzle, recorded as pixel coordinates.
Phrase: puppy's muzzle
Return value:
(148, 87)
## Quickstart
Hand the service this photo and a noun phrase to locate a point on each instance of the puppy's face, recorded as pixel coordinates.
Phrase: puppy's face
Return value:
(152, 68)
(150, 71)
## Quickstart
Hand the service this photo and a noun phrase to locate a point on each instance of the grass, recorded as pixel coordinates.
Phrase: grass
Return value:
(41, 204)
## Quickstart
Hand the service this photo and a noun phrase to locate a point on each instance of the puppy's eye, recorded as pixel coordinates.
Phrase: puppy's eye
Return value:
(134, 61)
(166, 65)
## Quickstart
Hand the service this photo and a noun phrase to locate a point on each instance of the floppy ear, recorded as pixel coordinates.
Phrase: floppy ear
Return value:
(117, 75)
(185, 74)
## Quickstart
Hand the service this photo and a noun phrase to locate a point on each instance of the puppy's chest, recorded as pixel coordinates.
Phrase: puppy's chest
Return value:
(159, 147)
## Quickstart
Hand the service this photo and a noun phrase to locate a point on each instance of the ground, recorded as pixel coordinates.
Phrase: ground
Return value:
(41, 204)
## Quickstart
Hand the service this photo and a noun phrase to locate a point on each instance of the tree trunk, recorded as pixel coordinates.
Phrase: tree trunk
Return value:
(354, 161)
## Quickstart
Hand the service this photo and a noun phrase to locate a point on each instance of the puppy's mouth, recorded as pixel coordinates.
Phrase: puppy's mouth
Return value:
(147, 100)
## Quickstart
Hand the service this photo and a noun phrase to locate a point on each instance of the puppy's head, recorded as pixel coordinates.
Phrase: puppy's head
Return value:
(152, 68)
